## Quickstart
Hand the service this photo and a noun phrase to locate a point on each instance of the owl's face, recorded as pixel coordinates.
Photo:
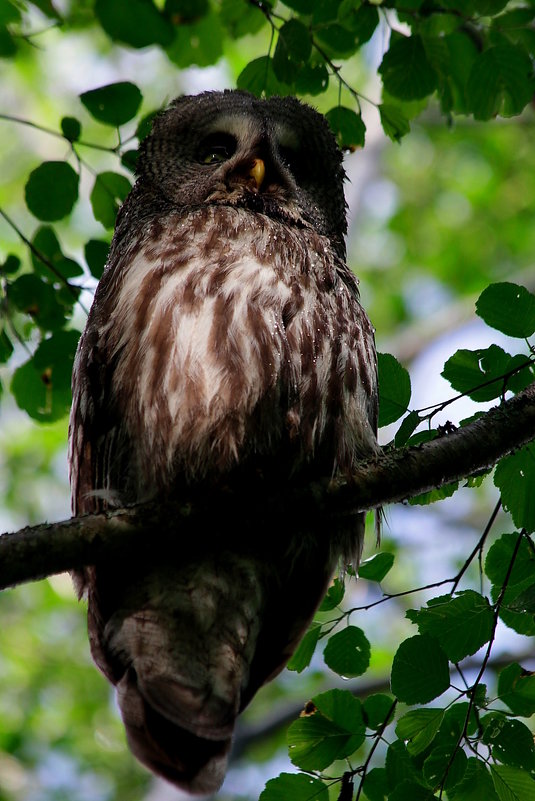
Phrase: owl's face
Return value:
(277, 157)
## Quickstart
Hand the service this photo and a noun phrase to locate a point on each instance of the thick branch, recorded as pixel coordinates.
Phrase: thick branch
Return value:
(38, 551)
(405, 472)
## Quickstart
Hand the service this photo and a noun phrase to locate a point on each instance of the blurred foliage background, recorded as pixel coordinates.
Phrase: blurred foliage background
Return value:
(434, 219)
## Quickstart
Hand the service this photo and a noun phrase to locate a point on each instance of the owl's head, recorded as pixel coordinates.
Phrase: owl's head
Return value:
(275, 156)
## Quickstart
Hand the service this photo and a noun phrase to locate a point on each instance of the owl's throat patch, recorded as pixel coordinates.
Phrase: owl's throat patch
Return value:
(272, 205)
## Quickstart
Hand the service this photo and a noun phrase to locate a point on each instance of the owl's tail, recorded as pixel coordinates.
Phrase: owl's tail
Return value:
(178, 641)
(189, 635)
(195, 763)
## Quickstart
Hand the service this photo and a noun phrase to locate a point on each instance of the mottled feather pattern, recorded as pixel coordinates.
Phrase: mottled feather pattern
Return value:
(226, 356)
(258, 314)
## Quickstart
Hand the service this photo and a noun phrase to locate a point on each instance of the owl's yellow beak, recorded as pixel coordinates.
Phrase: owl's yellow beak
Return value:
(258, 172)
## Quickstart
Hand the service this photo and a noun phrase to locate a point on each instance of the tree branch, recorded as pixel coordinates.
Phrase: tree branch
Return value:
(38, 551)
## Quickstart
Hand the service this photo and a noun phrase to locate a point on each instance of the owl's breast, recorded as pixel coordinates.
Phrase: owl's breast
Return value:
(227, 327)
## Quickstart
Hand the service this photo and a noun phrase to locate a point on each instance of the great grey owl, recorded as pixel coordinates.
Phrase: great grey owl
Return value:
(226, 349)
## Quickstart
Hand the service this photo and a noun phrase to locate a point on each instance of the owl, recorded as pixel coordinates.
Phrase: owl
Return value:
(226, 359)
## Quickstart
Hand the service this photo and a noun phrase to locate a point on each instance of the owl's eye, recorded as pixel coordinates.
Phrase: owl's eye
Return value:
(293, 159)
(216, 148)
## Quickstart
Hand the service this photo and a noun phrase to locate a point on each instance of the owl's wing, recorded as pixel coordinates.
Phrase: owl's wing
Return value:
(368, 363)
(98, 448)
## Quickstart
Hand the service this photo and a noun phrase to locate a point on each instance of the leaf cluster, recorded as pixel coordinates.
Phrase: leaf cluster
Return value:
(476, 58)
(482, 375)
(472, 745)
(38, 303)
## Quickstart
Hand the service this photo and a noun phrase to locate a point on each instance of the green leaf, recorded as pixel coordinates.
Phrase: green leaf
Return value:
(71, 128)
(376, 708)
(348, 652)
(410, 422)
(47, 8)
(96, 253)
(524, 377)
(109, 191)
(445, 764)
(180, 11)
(509, 308)
(376, 567)
(499, 557)
(461, 624)
(305, 650)
(333, 732)
(259, 78)
(347, 126)
(323, 11)
(406, 71)
(8, 46)
(341, 707)
(438, 25)
(479, 695)
(6, 347)
(515, 478)
(240, 20)
(129, 159)
(52, 190)
(292, 51)
(452, 56)
(511, 741)
(521, 578)
(375, 785)
(113, 104)
(419, 670)
(512, 784)
(334, 596)
(144, 126)
(9, 13)
(295, 786)
(42, 385)
(361, 21)
(394, 389)
(454, 723)
(488, 7)
(285, 70)
(137, 23)
(11, 265)
(516, 688)
(301, 6)
(336, 40)
(199, 43)
(500, 82)
(296, 39)
(33, 296)
(311, 79)
(411, 791)
(517, 26)
(420, 727)
(524, 602)
(399, 764)
(56, 265)
(394, 121)
(519, 621)
(468, 370)
(476, 784)
(425, 498)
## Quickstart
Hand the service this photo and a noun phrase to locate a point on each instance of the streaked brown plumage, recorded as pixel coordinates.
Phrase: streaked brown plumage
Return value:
(226, 349)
